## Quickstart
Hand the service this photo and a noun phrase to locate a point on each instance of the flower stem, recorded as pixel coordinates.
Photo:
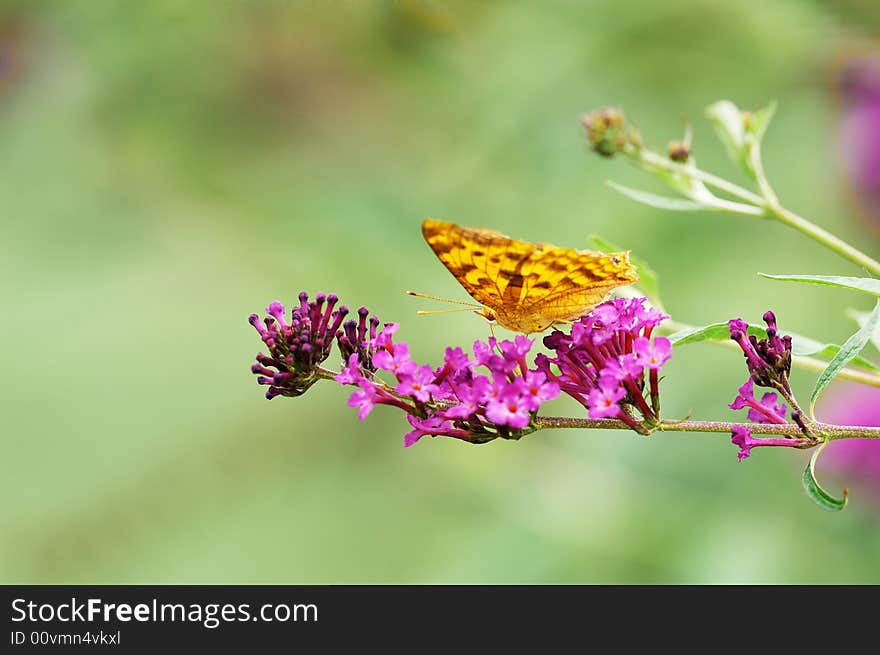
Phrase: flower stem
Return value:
(654, 378)
(655, 160)
(824, 237)
(784, 429)
(760, 176)
(767, 206)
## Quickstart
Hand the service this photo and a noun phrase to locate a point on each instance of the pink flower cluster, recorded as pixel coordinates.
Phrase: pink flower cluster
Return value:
(296, 346)
(609, 359)
(608, 362)
(475, 399)
(769, 363)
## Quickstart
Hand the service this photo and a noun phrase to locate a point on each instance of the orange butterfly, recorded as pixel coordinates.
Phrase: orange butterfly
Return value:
(526, 287)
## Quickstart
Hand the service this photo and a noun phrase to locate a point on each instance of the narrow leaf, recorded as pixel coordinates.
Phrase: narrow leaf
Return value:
(864, 284)
(758, 122)
(848, 352)
(861, 318)
(683, 181)
(659, 202)
(728, 121)
(648, 282)
(816, 493)
(712, 332)
(807, 347)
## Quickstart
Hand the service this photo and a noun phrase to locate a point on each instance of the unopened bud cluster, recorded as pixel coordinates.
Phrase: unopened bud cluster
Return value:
(608, 132)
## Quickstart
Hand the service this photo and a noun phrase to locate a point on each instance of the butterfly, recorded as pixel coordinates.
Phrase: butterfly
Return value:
(526, 287)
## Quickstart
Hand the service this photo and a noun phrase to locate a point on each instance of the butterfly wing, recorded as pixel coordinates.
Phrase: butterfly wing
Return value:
(564, 284)
(481, 260)
(528, 286)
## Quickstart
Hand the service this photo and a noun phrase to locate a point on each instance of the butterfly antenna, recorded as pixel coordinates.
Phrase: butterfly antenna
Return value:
(469, 305)
(428, 312)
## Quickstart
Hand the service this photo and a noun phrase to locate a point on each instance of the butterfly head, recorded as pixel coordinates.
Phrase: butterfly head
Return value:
(526, 324)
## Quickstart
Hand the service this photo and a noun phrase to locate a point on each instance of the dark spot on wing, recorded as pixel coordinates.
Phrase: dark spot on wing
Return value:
(442, 247)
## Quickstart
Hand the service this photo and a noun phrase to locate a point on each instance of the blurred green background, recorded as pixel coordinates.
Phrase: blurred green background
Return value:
(170, 167)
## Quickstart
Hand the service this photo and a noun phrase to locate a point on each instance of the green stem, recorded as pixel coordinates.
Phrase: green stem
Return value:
(758, 168)
(784, 429)
(824, 237)
(653, 159)
(767, 206)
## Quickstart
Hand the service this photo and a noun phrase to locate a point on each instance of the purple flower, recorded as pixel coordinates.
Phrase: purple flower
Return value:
(365, 398)
(770, 407)
(383, 338)
(419, 385)
(456, 359)
(501, 403)
(509, 407)
(604, 399)
(768, 360)
(765, 411)
(351, 374)
(621, 368)
(469, 395)
(359, 337)
(485, 355)
(517, 349)
(296, 346)
(430, 425)
(537, 389)
(741, 436)
(609, 360)
(652, 355)
(483, 352)
(394, 358)
(454, 399)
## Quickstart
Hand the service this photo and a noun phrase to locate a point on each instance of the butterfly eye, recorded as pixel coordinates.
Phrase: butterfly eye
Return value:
(488, 314)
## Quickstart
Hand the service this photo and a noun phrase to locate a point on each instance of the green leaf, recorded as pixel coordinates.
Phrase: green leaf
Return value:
(865, 284)
(756, 125)
(741, 132)
(712, 332)
(816, 493)
(800, 345)
(861, 318)
(729, 124)
(648, 282)
(810, 348)
(848, 352)
(659, 202)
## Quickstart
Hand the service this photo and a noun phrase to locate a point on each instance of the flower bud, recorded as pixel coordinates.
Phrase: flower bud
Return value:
(679, 152)
(608, 132)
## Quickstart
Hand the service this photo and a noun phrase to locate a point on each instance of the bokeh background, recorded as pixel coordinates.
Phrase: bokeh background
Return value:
(170, 167)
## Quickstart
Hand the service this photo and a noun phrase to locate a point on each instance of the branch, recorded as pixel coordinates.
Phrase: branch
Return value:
(784, 429)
